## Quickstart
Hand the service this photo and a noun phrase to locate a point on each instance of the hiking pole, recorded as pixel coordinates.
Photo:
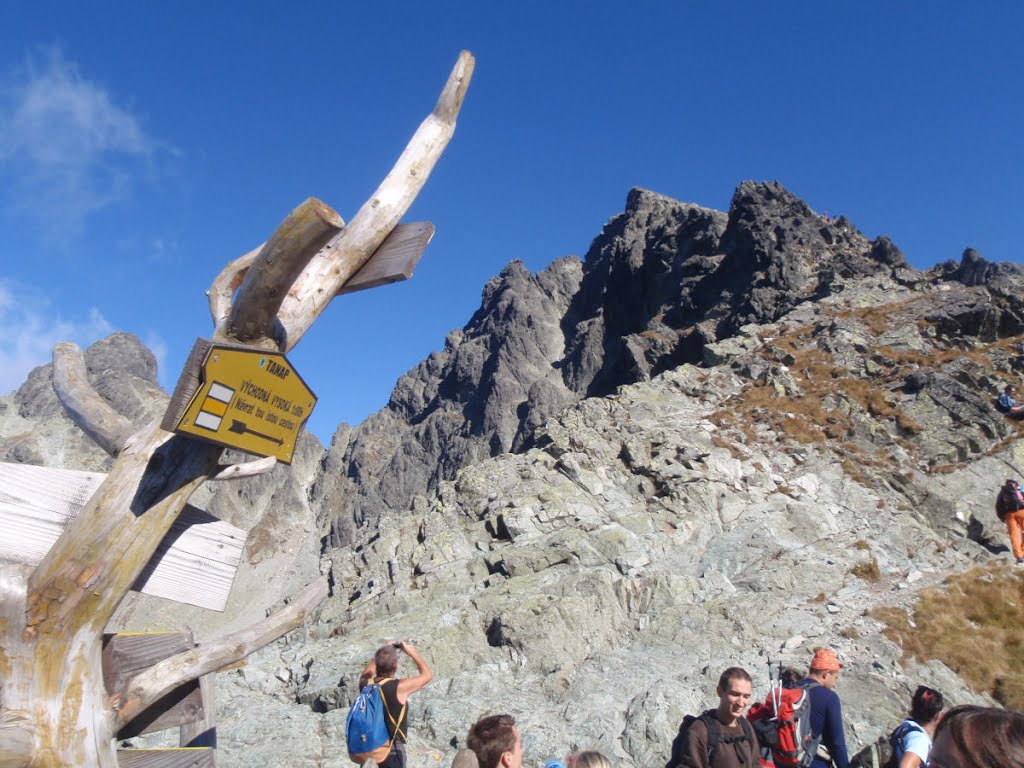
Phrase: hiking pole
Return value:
(775, 694)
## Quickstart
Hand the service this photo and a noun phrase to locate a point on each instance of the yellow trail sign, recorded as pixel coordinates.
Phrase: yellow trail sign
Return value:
(241, 397)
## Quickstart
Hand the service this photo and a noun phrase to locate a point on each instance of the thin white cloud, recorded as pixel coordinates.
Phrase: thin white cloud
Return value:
(67, 149)
(158, 346)
(31, 329)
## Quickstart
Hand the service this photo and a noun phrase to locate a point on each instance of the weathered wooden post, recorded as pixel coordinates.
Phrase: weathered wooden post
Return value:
(56, 711)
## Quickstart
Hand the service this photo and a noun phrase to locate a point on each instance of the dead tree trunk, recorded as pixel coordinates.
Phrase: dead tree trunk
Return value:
(55, 710)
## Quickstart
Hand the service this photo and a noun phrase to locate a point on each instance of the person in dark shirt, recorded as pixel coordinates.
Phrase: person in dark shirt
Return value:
(826, 711)
(722, 737)
(382, 669)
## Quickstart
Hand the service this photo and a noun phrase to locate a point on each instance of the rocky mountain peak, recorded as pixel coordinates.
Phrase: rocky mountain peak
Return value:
(662, 281)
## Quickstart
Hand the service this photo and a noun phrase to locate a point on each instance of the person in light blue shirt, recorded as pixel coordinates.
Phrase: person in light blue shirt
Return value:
(912, 741)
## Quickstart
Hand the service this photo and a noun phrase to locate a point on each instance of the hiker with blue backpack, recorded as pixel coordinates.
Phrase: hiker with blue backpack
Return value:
(912, 740)
(376, 729)
(826, 710)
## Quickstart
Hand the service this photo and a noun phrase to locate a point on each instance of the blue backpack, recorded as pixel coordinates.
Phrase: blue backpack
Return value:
(366, 731)
(896, 740)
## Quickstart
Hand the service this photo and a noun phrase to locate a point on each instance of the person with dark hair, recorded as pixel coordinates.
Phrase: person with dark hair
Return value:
(826, 710)
(912, 740)
(495, 741)
(721, 737)
(1008, 405)
(1010, 509)
(382, 669)
(978, 737)
(790, 677)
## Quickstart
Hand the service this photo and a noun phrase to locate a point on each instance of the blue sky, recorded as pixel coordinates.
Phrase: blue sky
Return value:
(144, 145)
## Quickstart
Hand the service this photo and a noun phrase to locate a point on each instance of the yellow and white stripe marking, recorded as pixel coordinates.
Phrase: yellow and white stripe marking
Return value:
(214, 407)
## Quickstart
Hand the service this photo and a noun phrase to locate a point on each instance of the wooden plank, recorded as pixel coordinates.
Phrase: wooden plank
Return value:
(195, 563)
(394, 260)
(126, 654)
(202, 733)
(180, 757)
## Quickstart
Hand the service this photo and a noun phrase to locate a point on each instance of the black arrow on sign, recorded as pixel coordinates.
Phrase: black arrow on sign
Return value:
(241, 428)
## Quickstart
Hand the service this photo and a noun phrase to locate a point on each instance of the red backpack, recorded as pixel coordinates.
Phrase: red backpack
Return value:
(782, 723)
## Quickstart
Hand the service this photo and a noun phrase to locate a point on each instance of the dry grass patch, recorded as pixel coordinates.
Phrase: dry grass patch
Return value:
(974, 624)
(868, 571)
(811, 416)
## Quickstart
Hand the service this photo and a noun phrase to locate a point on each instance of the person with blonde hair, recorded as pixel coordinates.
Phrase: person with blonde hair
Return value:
(588, 759)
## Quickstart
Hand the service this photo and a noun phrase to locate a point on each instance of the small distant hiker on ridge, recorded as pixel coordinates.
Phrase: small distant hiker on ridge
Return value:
(826, 711)
(1010, 509)
(721, 737)
(1008, 405)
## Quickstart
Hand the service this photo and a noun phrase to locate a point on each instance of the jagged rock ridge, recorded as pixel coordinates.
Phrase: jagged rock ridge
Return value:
(661, 282)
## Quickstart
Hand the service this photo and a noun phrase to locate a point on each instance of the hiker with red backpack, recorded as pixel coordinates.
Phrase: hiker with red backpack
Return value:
(1010, 509)
(782, 722)
(720, 737)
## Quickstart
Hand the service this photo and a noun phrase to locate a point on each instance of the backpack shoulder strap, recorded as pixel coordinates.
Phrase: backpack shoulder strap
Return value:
(710, 719)
(387, 711)
(748, 730)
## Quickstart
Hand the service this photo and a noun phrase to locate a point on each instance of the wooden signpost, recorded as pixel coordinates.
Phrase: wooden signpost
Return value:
(240, 397)
(60, 709)
(396, 258)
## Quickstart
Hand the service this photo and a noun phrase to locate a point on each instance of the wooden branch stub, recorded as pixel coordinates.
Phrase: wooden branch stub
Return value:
(248, 469)
(396, 258)
(222, 291)
(347, 252)
(125, 655)
(449, 103)
(281, 260)
(148, 686)
(94, 415)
